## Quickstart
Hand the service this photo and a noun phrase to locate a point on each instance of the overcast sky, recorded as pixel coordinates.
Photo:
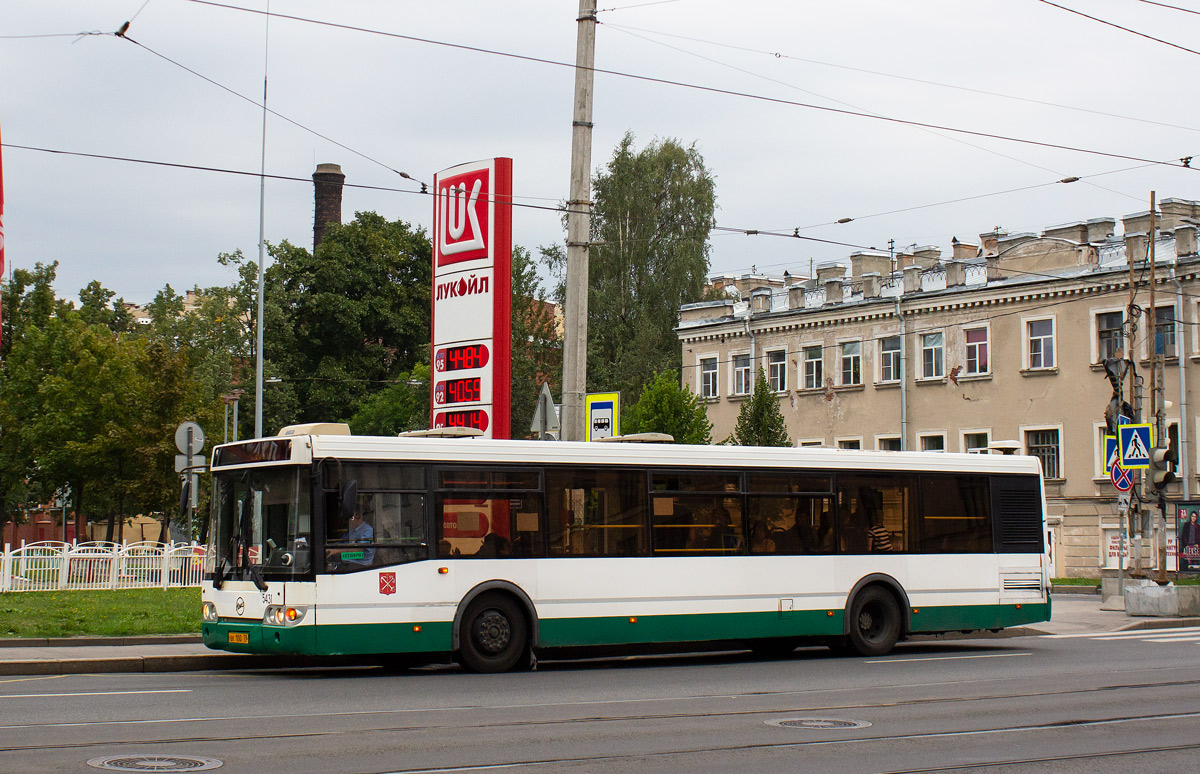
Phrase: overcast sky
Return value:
(399, 104)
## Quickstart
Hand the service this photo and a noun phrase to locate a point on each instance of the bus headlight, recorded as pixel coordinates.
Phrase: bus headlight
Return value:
(209, 612)
(279, 615)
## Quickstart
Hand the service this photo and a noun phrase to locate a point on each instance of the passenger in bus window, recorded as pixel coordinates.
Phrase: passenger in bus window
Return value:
(853, 528)
(494, 546)
(760, 543)
(881, 539)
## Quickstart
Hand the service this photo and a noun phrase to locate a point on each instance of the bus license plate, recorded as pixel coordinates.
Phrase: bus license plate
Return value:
(239, 638)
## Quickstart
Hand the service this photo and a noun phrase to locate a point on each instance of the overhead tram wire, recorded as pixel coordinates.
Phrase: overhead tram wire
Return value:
(706, 89)
(558, 210)
(1097, 281)
(1119, 27)
(273, 112)
(1001, 95)
(1122, 291)
(55, 35)
(849, 105)
(1172, 7)
(858, 107)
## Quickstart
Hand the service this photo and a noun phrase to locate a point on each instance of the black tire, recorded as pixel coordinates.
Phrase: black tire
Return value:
(494, 636)
(874, 622)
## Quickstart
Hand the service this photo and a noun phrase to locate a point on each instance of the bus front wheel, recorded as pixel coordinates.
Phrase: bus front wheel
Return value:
(494, 636)
(874, 622)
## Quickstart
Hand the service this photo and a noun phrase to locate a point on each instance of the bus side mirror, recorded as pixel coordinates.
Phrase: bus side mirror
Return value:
(349, 498)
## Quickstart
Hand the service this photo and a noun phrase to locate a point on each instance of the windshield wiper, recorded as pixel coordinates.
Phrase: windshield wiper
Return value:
(219, 574)
(257, 577)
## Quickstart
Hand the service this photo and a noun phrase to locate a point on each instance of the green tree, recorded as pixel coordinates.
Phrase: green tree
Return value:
(399, 408)
(354, 316)
(654, 209)
(536, 346)
(666, 406)
(28, 303)
(760, 422)
(95, 309)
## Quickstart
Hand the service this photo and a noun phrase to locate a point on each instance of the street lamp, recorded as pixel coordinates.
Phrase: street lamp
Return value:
(232, 398)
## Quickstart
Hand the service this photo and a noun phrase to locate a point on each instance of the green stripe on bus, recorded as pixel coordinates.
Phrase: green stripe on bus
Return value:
(430, 637)
(564, 632)
(975, 617)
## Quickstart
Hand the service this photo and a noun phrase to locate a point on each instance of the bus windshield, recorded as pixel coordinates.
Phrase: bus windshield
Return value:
(261, 524)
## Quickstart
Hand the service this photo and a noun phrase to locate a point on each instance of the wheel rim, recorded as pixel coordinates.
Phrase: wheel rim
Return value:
(492, 632)
(871, 621)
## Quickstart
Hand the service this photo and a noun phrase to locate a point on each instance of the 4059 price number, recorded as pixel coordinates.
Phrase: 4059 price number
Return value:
(457, 391)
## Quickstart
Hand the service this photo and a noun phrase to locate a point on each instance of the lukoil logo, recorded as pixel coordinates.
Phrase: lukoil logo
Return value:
(462, 217)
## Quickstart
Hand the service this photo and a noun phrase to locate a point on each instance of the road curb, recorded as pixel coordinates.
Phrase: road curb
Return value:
(80, 642)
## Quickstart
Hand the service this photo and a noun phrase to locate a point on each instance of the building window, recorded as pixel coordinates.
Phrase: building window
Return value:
(777, 370)
(933, 443)
(708, 377)
(977, 350)
(932, 356)
(852, 362)
(1164, 331)
(890, 443)
(741, 374)
(889, 359)
(849, 443)
(1041, 343)
(1108, 335)
(1044, 445)
(810, 443)
(976, 443)
(814, 376)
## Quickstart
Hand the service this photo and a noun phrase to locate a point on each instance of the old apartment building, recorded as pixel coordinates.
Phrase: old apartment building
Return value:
(999, 342)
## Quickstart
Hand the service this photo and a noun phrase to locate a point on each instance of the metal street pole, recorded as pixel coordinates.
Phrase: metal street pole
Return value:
(579, 204)
(262, 209)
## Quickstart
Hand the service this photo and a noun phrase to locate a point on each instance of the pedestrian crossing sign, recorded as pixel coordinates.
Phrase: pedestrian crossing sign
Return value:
(1135, 443)
(1112, 453)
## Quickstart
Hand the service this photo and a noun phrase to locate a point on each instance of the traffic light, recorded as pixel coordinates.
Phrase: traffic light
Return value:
(1162, 466)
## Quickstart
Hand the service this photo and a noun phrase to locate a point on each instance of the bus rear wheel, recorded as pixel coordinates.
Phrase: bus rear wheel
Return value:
(874, 622)
(494, 635)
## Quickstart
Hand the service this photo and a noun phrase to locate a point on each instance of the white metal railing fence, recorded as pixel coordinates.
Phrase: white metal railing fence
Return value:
(53, 566)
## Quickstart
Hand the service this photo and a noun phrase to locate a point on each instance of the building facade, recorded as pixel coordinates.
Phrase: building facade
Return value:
(1000, 344)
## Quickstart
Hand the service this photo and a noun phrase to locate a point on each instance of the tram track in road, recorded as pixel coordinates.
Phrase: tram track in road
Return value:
(728, 749)
(809, 709)
(1051, 759)
(164, 740)
(873, 740)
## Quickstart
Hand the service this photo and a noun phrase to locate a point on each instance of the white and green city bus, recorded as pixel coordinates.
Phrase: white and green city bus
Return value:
(493, 551)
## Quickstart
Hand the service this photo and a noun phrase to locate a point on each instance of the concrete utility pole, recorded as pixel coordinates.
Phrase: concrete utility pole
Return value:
(1157, 399)
(574, 383)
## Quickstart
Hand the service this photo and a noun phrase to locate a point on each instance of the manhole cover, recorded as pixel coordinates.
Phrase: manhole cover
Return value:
(154, 763)
(824, 724)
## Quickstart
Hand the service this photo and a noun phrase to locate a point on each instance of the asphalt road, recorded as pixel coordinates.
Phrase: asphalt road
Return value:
(1075, 703)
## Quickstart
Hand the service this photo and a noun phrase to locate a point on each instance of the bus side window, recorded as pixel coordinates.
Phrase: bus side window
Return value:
(596, 512)
(875, 512)
(956, 514)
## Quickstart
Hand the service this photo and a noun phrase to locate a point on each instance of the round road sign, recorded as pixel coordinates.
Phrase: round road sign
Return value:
(1122, 479)
(181, 434)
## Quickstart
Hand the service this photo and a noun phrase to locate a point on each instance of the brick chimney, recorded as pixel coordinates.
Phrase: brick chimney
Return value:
(327, 184)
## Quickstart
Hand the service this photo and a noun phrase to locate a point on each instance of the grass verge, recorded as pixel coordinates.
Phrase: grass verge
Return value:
(122, 613)
(1178, 580)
